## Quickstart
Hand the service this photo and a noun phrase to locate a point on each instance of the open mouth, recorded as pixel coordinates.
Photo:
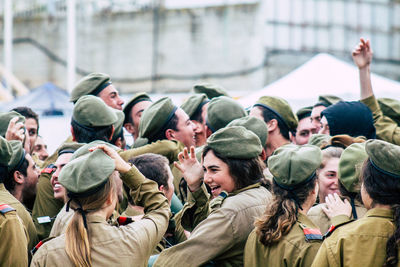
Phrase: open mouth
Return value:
(214, 189)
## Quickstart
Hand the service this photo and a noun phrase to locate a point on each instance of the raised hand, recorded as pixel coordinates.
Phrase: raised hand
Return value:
(15, 131)
(362, 54)
(120, 165)
(191, 169)
(335, 206)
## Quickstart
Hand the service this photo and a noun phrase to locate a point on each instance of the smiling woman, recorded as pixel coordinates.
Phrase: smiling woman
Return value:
(220, 224)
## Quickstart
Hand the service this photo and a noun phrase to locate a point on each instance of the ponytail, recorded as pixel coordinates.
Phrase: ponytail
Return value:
(281, 214)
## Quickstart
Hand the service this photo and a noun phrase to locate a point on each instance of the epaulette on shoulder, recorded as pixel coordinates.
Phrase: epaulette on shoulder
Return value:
(35, 248)
(311, 234)
(49, 169)
(124, 220)
(4, 208)
(332, 228)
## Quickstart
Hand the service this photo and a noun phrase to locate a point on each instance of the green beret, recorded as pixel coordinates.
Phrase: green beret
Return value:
(328, 100)
(221, 111)
(211, 90)
(194, 103)
(18, 155)
(350, 165)
(91, 111)
(235, 142)
(292, 165)
(87, 173)
(5, 152)
(319, 139)
(69, 147)
(5, 118)
(84, 148)
(118, 125)
(391, 108)
(384, 156)
(139, 97)
(303, 113)
(280, 108)
(91, 84)
(156, 117)
(256, 125)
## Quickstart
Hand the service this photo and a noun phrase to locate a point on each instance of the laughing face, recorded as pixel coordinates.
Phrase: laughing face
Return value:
(217, 175)
(59, 190)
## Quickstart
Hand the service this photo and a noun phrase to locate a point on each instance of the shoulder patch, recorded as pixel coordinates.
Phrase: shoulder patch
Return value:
(35, 248)
(312, 234)
(49, 169)
(4, 208)
(332, 228)
(124, 220)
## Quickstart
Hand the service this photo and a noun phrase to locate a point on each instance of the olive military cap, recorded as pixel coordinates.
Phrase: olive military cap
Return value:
(84, 148)
(221, 111)
(391, 108)
(156, 117)
(5, 152)
(350, 165)
(292, 165)
(5, 118)
(91, 111)
(328, 100)
(319, 139)
(139, 97)
(211, 90)
(235, 142)
(384, 156)
(280, 108)
(194, 103)
(88, 173)
(91, 84)
(69, 147)
(18, 155)
(256, 125)
(303, 113)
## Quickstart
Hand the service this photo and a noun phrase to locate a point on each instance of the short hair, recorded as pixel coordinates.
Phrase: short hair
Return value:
(10, 183)
(197, 115)
(172, 124)
(84, 135)
(28, 113)
(268, 115)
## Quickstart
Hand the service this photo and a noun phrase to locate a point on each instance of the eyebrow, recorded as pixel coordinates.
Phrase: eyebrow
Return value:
(211, 166)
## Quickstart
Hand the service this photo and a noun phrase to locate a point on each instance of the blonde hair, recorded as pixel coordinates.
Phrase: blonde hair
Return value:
(77, 238)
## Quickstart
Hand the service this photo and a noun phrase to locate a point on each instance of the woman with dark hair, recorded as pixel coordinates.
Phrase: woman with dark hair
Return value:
(284, 236)
(220, 224)
(374, 239)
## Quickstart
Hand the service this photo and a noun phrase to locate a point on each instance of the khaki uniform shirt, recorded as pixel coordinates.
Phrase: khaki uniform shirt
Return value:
(360, 243)
(127, 245)
(61, 222)
(294, 249)
(386, 128)
(13, 240)
(220, 237)
(319, 218)
(7, 198)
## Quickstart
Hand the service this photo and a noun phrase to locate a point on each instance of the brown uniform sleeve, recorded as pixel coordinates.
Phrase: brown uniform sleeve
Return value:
(13, 243)
(386, 128)
(45, 205)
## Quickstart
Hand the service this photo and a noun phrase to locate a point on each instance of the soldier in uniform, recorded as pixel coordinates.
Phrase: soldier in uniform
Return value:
(280, 120)
(13, 236)
(220, 224)
(304, 128)
(324, 101)
(372, 240)
(284, 235)
(90, 184)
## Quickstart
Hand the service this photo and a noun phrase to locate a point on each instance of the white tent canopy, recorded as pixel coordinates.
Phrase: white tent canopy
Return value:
(323, 74)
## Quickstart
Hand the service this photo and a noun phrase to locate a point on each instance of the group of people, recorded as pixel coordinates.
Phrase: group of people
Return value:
(208, 183)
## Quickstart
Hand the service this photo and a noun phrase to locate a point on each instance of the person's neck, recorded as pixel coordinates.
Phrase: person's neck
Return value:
(275, 142)
(381, 206)
(17, 193)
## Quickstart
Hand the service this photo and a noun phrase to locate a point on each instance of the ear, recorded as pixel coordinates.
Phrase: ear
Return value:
(208, 132)
(118, 142)
(73, 134)
(263, 155)
(112, 132)
(129, 127)
(272, 125)
(170, 134)
(18, 177)
(292, 138)
(161, 188)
